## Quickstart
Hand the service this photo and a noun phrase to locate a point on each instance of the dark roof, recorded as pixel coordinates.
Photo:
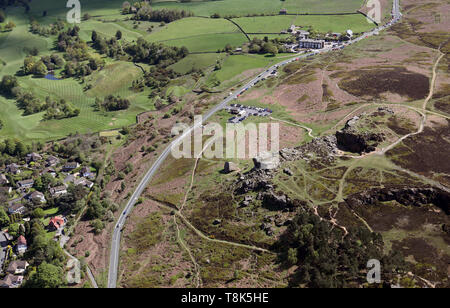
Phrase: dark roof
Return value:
(14, 265)
(25, 182)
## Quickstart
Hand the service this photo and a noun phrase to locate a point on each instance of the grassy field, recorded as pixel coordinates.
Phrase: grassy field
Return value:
(266, 24)
(199, 34)
(276, 24)
(199, 61)
(357, 23)
(241, 8)
(234, 66)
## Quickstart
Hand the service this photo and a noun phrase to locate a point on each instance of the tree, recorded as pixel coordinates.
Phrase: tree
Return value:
(38, 213)
(118, 35)
(97, 225)
(46, 276)
(94, 36)
(4, 219)
(270, 48)
(292, 256)
(14, 230)
(40, 69)
(8, 83)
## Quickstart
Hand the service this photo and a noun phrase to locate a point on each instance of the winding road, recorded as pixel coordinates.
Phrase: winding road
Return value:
(116, 237)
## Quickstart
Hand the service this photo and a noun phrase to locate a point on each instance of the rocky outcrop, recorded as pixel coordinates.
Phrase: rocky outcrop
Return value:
(256, 180)
(403, 195)
(323, 147)
(350, 140)
(280, 202)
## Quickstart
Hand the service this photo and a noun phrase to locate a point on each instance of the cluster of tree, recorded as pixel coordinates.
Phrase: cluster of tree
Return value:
(59, 109)
(327, 258)
(52, 29)
(156, 78)
(81, 69)
(109, 47)
(70, 42)
(14, 148)
(73, 201)
(112, 103)
(40, 67)
(45, 254)
(164, 15)
(100, 209)
(265, 46)
(155, 53)
(33, 66)
(27, 101)
(144, 12)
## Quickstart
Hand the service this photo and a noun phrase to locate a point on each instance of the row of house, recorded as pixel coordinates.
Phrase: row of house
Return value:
(70, 172)
(23, 187)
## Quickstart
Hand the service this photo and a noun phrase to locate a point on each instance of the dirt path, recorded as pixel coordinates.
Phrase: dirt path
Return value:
(180, 240)
(309, 130)
(424, 108)
(198, 232)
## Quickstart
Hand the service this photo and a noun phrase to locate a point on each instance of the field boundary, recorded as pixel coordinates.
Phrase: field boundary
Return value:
(239, 27)
(371, 19)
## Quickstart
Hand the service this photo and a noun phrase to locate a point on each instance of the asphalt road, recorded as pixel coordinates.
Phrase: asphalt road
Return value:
(115, 243)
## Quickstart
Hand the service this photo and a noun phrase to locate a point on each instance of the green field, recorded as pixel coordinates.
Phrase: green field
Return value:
(196, 33)
(276, 24)
(357, 23)
(241, 8)
(199, 34)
